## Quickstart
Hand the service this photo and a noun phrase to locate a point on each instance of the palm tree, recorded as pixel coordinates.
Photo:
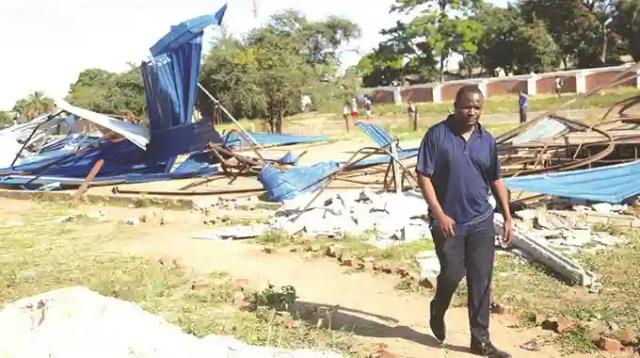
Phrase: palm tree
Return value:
(34, 105)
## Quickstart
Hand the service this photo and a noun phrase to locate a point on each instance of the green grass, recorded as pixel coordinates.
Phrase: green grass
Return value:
(509, 104)
(43, 255)
(533, 290)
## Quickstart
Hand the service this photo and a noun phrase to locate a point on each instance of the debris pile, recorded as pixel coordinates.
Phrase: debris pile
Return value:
(76, 322)
(387, 216)
(564, 230)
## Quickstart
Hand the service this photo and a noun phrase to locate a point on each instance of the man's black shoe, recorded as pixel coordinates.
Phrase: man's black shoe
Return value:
(437, 325)
(488, 350)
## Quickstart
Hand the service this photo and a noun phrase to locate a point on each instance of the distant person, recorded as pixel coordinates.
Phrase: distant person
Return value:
(523, 104)
(346, 110)
(354, 109)
(412, 112)
(559, 83)
(368, 107)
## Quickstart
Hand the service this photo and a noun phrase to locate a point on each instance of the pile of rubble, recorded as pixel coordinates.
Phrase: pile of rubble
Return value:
(76, 322)
(387, 218)
(567, 231)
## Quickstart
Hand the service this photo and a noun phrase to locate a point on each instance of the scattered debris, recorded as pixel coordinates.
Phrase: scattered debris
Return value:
(134, 221)
(235, 233)
(533, 248)
(429, 265)
(396, 217)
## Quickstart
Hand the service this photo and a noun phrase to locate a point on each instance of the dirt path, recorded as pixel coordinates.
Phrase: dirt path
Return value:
(364, 301)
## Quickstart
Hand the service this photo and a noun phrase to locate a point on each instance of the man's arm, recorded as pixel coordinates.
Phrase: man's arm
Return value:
(445, 223)
(500, 193)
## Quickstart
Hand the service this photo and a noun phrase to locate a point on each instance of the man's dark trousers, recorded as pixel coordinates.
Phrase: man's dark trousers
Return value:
(472, 251)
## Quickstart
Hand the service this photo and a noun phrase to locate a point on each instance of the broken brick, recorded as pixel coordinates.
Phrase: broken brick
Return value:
(609, 345)
(501, 309)
(565, 325)
(428, 282)
(560, 325)
(401, 270)
(626, 336)
(332, 251)
(596, 331)
(344, 254)
(268, 250)
(348, 262)
(199, 286)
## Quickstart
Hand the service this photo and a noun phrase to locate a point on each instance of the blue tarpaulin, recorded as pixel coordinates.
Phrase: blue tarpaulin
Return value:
(171, 78)
(234, 139)
(286, 184)
(611, 184)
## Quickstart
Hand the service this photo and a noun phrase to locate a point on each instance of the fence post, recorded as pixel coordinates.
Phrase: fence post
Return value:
(437, 92)
(397, 96)
(532, 84)
(581, 82)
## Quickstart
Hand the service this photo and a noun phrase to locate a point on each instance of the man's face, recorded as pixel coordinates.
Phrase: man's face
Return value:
(469, 108)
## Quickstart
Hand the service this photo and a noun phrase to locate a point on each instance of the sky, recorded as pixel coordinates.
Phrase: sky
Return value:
(45, 44)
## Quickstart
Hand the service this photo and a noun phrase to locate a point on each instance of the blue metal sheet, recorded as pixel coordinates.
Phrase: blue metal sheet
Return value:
(611, 184)
(287, 184)
(376, 133)
(234, 139)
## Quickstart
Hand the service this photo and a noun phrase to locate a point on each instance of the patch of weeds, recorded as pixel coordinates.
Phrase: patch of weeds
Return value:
(408, 285)
(275, 237)
(407, 252)
(576, 341)
(280, 300)
(612, 230)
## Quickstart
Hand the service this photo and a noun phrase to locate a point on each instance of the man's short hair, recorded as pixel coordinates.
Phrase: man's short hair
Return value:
(468, 89)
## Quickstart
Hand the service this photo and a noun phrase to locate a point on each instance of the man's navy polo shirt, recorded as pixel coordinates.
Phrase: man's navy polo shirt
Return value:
(461, 171)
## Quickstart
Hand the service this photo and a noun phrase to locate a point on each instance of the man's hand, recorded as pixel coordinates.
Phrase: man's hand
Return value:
(507, 235)
(447, 225)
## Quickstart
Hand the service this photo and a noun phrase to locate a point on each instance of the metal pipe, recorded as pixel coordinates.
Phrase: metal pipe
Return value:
(33, 132)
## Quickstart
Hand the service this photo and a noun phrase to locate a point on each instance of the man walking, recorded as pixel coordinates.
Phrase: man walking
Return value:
(457, 168)
(523, 104)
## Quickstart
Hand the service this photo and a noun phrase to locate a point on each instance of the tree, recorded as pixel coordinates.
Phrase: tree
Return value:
(230, 73)
(443, 27)
(5, 119)
(267, 72)
(382, 67)
(578, 28)
(283, 72)
(513, 45)
(106, 92)
(627, 24)
(34, 105)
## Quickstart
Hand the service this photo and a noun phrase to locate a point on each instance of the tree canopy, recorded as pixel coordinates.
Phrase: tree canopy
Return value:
(529, 35)
(34, 105)
(266, 73)
(120, 94)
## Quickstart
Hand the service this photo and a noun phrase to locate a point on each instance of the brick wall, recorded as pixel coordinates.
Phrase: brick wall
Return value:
(596, 80)
(382, 96)
(502, 87)
(417, 94)
(547, 85)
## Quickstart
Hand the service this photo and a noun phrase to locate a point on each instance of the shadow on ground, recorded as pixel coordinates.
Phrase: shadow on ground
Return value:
(338, 318)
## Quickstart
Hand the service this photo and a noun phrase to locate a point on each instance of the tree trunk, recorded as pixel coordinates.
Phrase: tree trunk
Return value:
(415, 121)
(279, 121)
